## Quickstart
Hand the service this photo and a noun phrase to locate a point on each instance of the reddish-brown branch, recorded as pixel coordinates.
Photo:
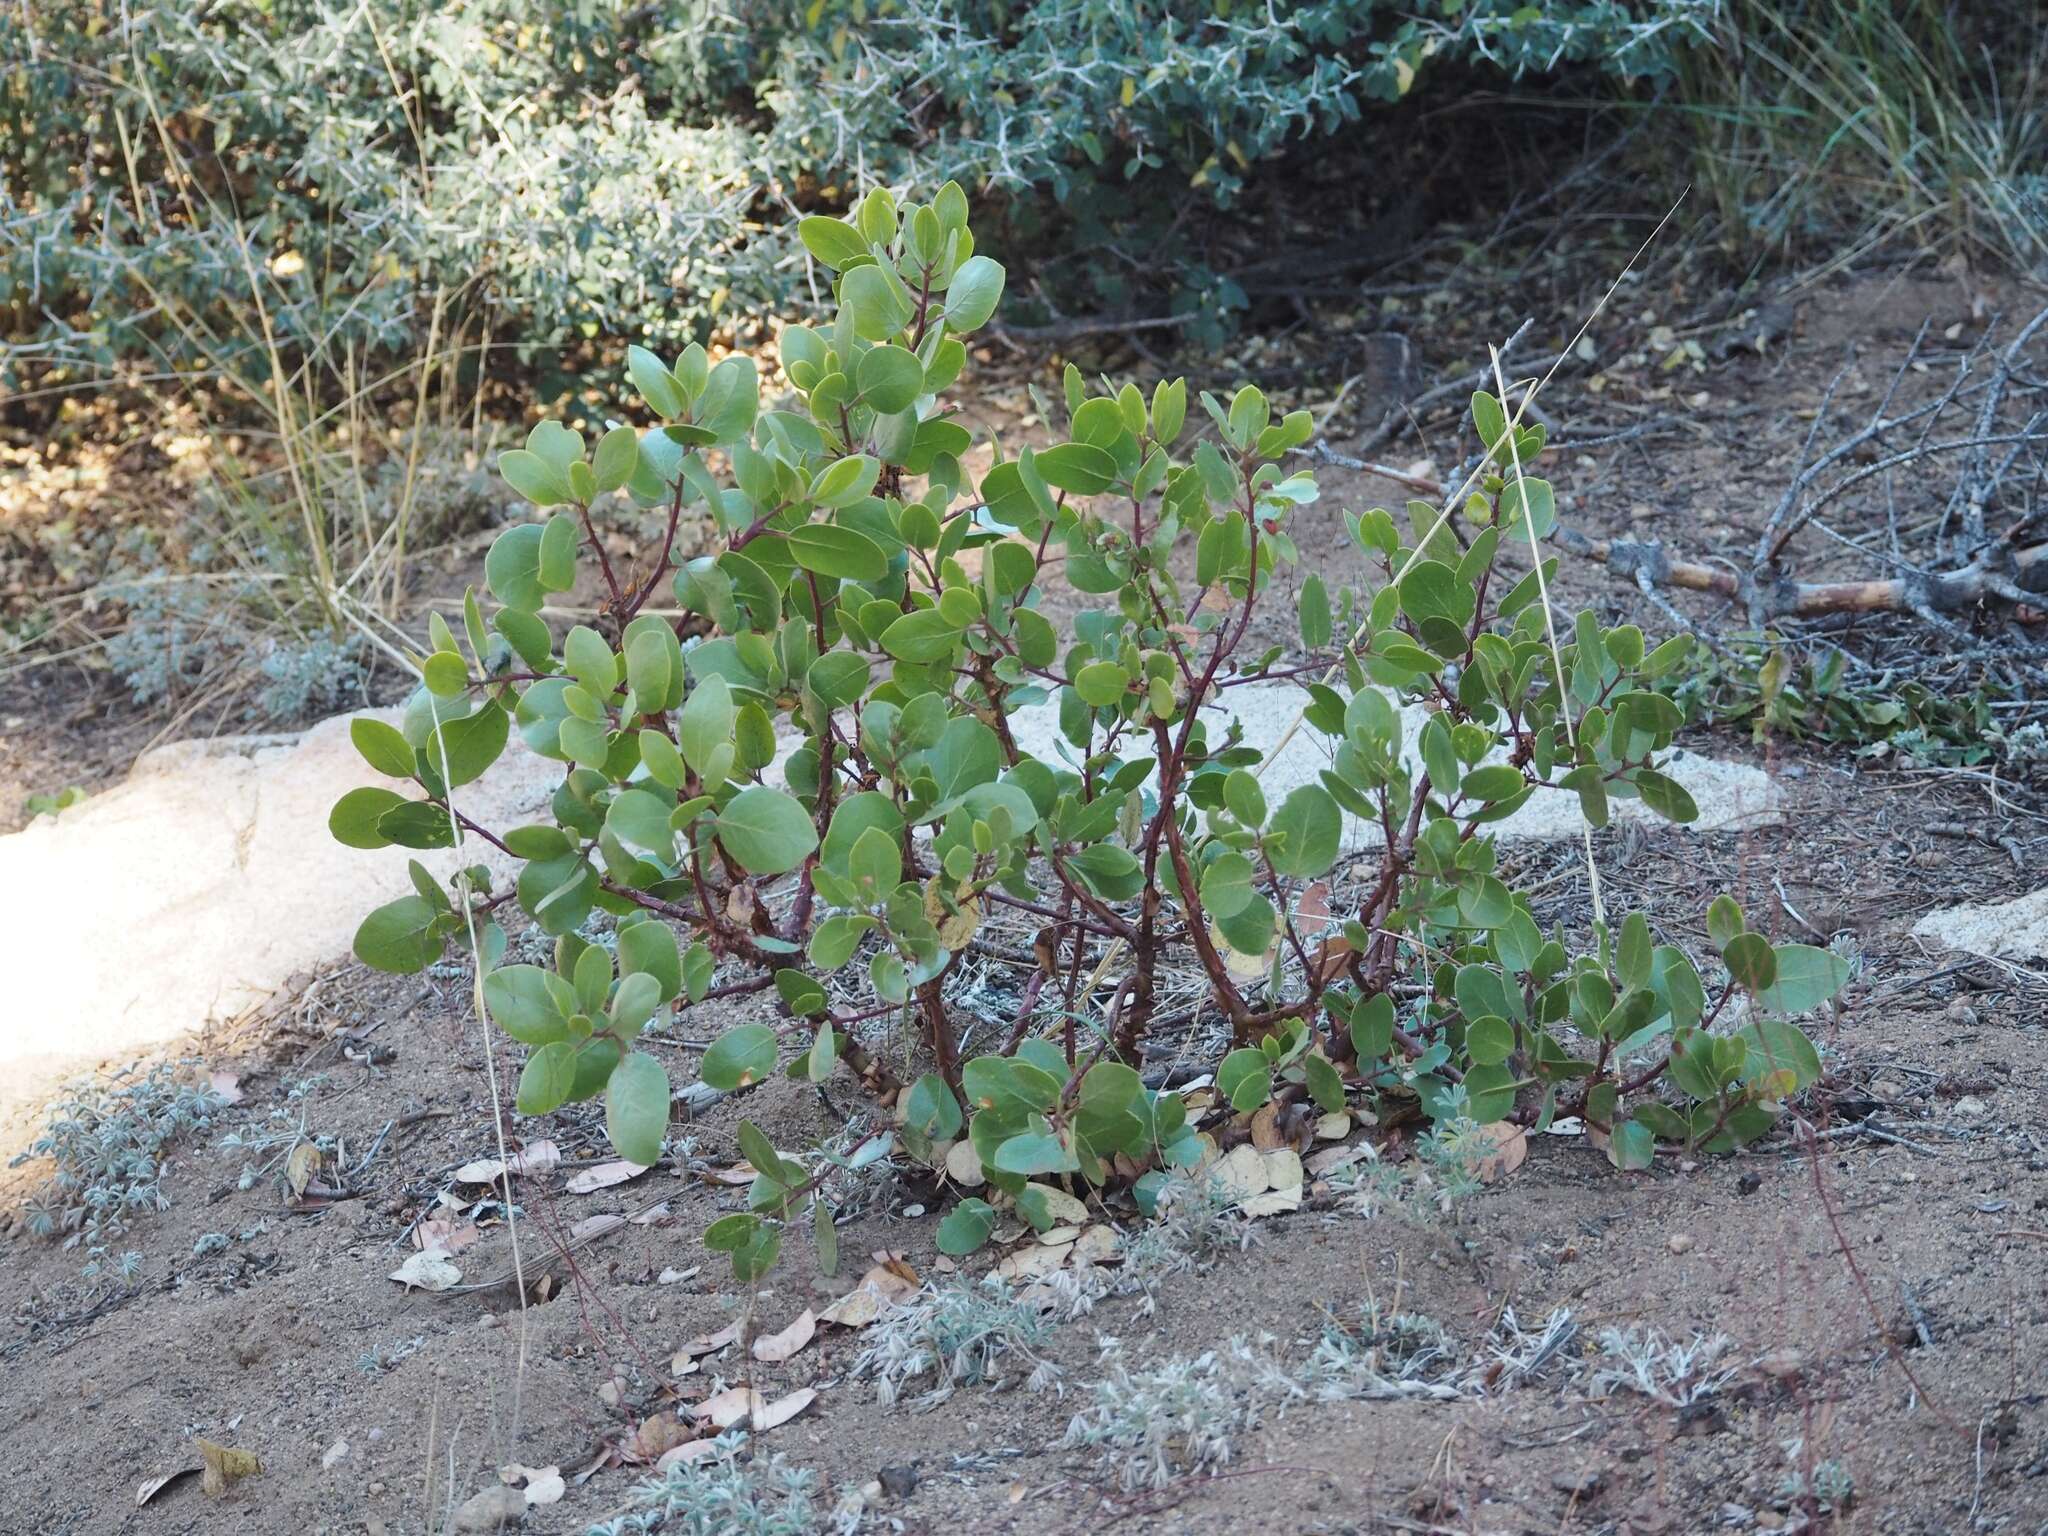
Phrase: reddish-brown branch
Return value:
(611, 580)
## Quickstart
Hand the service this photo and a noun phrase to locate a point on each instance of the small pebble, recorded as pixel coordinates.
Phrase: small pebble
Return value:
(1970, 1107)
(491, 1509)
(1681, 1242)
(898, 1482)
(1582, 1485)
(1782, 1365)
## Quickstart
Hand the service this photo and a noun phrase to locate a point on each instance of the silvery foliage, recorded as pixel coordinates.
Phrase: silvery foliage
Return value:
(966, 1333)
(108, 1144)
(1148, 1426)
(728, 1493)
(1651, 1364)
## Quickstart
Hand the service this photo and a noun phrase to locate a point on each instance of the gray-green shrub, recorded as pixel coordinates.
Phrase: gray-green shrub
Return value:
(575, 174)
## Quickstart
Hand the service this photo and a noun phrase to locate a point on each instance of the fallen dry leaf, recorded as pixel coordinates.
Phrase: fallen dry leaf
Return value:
(689, 1450)
(736, 1175)
(1312, 911)
(1314, 920)
(1242, 1173)
(1060, 1205)
(225, 1466)
(604, 1176)
(1247, 966)
(704, 1344)
(299, 1166)
(1283, 1167)
(226, 1086)
(1333, 1127)
(543, 1485)
(656, 1435)
(1330, 1159)
(963, 1165)
(1510, 1149)
(1273, 1202)
(1039, 1259)
(856, 1309)
(153, 1486)
(1266, 1127)
(1282, 1170)
(879, 1289)
(596, 1226)
(783, 1409)
(444, 1234)
(897, 1265)
(535, 1157)
(774, 1348)
(429, 1270)
(1095, 1246)
(727, 1408)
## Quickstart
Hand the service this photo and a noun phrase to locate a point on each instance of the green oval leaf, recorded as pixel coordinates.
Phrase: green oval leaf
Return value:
(766, 830)
(353, 821)
(548, 1079)
(890, 378)
(401, 937)
(972, 296)
(739, 1058)
(966, 1227)
(383, 747)
(636, 1108)
(1245, 1078)
(832, 241)
(831, 550)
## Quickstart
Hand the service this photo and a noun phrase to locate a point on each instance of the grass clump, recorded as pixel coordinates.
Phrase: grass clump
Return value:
(1885, 121)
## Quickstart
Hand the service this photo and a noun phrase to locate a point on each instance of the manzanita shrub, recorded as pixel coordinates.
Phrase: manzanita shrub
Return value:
(825, 774)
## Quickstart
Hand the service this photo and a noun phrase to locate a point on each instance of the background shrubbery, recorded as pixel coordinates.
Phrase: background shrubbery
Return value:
(549, 176)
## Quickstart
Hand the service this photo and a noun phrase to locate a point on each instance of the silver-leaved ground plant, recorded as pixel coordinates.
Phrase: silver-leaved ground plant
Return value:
(866, 598)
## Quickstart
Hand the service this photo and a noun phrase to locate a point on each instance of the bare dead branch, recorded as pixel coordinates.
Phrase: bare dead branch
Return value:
(2012, 576)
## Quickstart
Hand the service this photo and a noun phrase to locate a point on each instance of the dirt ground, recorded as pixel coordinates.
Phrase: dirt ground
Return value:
(1889, 1277)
